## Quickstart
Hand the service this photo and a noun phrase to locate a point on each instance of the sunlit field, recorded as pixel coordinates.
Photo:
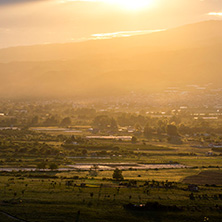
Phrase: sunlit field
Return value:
(52, 199)
(67, 183)
(110, 111)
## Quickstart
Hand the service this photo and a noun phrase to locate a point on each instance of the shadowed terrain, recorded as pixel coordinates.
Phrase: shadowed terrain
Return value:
(205, 177)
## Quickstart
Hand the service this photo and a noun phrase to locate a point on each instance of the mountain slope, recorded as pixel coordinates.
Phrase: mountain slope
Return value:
(186, 55)
(194, 35)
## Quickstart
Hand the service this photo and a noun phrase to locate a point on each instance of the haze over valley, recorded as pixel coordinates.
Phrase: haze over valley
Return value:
(110, 110)
(187, 55)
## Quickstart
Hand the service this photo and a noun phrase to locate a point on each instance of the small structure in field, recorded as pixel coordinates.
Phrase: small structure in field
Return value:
(209, 153)
(193, 188)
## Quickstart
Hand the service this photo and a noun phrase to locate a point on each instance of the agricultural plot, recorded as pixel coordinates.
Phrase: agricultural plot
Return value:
(64, 197)
(44, 178)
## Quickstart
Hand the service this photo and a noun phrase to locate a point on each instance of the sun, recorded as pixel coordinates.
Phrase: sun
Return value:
(132, 4)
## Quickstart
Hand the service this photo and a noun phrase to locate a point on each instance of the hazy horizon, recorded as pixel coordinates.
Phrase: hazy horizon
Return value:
(53, 21)
(110, 110)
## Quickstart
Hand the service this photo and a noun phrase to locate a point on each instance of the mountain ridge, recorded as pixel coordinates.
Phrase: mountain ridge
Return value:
(154, 41)
(128, 68)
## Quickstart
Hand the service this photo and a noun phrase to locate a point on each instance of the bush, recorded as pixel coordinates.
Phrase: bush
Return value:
(117, 174)
(53, 166)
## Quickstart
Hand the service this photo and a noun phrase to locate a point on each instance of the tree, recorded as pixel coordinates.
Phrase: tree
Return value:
(172, 130)
(134, 139)
(35, 121)
(51, 121)
(101, 122)
(184, 129)
(66, 122)
(113, 124)
(104, 123)
(161, 127)
(84, 152)
(41, 165)
(175, 119)
(117, 174)
(147, 131)
(53, 166)
(138, 129)
(93, 171)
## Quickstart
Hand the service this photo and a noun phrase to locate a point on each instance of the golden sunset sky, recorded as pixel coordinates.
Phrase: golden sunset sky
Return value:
(28, 22)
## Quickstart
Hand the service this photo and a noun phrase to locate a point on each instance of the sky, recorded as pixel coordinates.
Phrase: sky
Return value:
(28, 22)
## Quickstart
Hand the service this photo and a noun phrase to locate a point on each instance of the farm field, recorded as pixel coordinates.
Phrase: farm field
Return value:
(56, 196)
(60, 174)
(83, 189)
(110, 111)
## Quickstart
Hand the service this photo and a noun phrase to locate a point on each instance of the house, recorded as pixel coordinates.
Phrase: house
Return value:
(209, 153)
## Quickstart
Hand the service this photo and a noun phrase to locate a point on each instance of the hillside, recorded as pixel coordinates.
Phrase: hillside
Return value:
(186, 55)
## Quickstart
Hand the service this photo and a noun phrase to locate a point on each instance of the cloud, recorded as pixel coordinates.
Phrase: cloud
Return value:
(215, 13)
(123, 34)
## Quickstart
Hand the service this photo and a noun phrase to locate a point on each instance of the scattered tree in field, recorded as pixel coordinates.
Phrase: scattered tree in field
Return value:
(66, 122)
(41, 165)
(113, 125)
(104, 123)
(93, 171)
(51, 121)
(117, 174)
(84, 152)
(172, 130)
(53, 166)
(35, 121)
(147, 131)
(192, 196)
(134, 139)
(173, 134)
(138, 129)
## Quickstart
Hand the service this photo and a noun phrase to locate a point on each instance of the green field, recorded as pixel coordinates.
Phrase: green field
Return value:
(41, 196)
(36, 193)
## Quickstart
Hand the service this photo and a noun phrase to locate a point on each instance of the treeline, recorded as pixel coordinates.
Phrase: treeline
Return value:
(55, 114)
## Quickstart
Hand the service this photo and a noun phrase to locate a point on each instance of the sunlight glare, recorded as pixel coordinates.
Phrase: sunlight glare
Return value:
(132, 4)
(125, 4)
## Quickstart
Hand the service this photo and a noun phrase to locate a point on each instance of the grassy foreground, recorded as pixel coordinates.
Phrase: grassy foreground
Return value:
(55, 196)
